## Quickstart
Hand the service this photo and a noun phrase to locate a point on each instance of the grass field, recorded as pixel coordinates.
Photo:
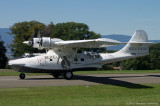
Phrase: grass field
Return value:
(97, 95)
(10, 72)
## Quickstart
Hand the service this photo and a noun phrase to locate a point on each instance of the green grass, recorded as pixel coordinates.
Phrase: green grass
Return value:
(97, 95)
(10, 72)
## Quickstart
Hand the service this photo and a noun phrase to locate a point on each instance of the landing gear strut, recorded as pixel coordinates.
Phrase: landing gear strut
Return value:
(22, 76)
(68, 75)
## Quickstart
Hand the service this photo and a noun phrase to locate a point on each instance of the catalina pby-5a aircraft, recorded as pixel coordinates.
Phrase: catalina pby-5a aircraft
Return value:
(62, 59)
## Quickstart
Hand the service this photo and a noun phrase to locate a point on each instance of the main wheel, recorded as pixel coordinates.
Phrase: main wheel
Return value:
(22, 76)
(56, 75)
(68, 75)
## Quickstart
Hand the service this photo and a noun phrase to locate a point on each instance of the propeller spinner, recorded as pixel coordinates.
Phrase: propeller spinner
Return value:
(36, 42)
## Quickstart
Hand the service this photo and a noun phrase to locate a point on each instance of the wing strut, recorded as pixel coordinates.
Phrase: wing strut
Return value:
(74, 54)
(59, 56)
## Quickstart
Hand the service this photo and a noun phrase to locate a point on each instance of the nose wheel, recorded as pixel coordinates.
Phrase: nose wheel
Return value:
(22, 76)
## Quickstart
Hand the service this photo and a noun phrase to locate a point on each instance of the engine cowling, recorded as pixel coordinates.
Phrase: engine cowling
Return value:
(46, 42)
(42, 43)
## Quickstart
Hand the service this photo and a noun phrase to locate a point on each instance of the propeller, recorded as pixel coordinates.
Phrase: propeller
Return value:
(33, 34)
(38, 40)
(30, 43)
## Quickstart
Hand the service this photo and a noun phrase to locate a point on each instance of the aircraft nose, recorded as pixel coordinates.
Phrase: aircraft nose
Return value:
(15, 64)
(10, 62)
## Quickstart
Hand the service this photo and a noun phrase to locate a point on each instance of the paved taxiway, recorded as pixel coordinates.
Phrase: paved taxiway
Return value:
(124, 80)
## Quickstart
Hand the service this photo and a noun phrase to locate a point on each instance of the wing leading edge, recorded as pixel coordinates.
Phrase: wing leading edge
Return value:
(92, 43)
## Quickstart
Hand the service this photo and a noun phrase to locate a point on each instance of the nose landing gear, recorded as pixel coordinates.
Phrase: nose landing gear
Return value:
(22, 76)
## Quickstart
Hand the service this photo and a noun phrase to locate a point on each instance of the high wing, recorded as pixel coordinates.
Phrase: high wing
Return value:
(47, 42)
(92, 43)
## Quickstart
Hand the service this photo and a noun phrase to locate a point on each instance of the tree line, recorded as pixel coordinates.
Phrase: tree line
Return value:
(3, 58)
(149, 62)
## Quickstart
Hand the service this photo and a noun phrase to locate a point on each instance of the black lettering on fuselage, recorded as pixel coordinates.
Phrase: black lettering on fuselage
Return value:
(51, 57)
(137, 48)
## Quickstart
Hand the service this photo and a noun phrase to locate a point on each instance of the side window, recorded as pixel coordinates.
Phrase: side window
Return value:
(133, 53)
(82, 59)
(75, 59)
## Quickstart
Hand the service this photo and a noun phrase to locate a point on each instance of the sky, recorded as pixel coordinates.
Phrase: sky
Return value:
(102, 16)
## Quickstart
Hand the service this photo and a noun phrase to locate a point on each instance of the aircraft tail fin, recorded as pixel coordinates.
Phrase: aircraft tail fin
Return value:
(138, 44)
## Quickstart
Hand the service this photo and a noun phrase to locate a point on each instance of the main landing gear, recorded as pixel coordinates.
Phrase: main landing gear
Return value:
(68, 75)
(22, 76)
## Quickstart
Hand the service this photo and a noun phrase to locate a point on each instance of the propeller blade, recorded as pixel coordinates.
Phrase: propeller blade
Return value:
(40, 40)
(39, 35)
(33, 34)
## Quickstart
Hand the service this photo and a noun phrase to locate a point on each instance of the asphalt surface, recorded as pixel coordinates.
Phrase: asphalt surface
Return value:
(123, 80)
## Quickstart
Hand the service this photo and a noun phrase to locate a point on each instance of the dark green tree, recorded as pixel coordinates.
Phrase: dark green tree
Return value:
(3, 58)
(75, 31)
(48, 30)
(155, 56)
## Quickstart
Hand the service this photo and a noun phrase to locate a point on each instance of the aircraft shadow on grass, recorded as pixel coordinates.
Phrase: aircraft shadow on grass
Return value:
(104, 80)
(115, 82)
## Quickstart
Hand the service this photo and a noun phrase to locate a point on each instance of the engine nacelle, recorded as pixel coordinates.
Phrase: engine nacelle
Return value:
(36, 43)
(44, 42)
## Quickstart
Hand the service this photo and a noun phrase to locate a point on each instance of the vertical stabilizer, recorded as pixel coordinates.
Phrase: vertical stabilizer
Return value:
(138, 44)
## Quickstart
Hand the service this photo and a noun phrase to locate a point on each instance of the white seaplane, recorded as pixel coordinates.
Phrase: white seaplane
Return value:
(62, 59)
